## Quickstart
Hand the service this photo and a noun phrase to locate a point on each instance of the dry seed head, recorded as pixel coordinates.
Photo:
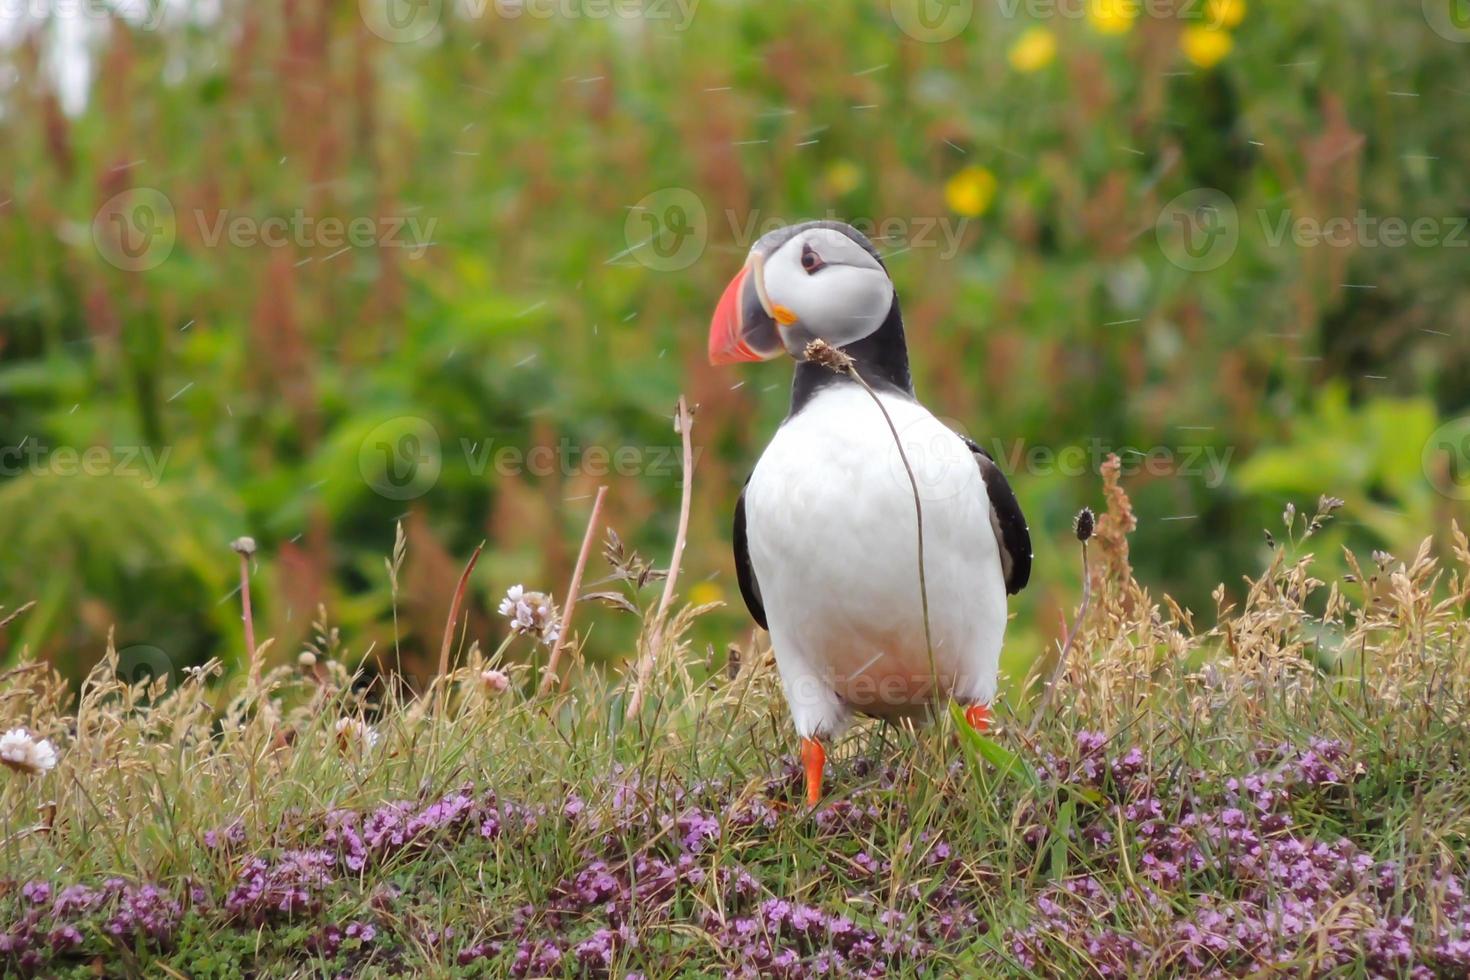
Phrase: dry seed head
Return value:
(1084, 524)
(244, 547)
(823, 353)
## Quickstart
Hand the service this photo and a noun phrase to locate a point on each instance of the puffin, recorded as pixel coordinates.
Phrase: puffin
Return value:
(826, 529)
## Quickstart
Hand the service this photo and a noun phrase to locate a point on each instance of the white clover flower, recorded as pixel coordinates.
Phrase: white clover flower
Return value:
(512, 597)
(23, 752)
(494, 681)
(354, 734)
(531, 614)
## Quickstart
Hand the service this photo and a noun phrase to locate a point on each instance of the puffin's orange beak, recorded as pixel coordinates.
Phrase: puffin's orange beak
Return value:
(741, 329)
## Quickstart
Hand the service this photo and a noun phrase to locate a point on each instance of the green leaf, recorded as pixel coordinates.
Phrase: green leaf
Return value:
(1086, 793)
(1008, 763)
(1060, 836)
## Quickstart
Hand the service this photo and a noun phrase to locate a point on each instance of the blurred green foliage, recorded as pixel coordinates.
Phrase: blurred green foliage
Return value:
(294, 390)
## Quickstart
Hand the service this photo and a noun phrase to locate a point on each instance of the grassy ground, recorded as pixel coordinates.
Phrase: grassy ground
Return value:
(1284, 793)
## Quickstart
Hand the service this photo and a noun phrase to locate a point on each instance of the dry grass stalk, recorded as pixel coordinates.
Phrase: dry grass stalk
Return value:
(1113, 527)
(16, 614)
(683, 423)
(548, 679)
(454, 609)
(822, 353)
(245, 548)
(1084, 526)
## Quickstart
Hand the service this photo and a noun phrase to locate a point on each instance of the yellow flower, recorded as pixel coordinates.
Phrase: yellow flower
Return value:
(969, 192)
(841, 176)
(703, 593)
(1225, 13)
(1112, 16)
(1033, 50)
(1205, 46)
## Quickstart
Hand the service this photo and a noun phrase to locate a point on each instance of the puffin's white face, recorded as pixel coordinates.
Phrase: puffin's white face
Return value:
(816, 284)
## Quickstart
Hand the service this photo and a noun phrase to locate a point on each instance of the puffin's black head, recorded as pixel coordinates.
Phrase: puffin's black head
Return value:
(821, 280)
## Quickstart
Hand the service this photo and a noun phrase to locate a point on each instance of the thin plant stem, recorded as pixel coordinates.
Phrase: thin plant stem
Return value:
(248, 615)
(400, 545)
(548, 679)
(830, 357)
(685, 422)
(1061, 665)
(454, 607)
(245, 548)
(12, 617)
(918, 520)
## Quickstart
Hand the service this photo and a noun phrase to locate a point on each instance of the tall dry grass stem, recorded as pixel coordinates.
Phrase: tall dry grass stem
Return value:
(449, 624)
(823, 353)
(548, 679)
(1083, 525)
(12, 617)
(245, 548)
(683, 423)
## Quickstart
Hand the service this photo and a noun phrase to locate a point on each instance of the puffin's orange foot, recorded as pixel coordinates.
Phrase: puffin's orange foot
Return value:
(813, 759)
(978, 715)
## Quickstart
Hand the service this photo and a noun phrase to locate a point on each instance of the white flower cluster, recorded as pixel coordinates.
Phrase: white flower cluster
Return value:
(23, 752)
(531, 614)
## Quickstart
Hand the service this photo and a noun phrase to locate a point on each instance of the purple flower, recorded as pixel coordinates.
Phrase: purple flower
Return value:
(64, 938)
(231, 835)
(74, 899)
(143, 911)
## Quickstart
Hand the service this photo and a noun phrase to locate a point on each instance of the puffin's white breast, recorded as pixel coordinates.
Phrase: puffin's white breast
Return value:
(831, 531)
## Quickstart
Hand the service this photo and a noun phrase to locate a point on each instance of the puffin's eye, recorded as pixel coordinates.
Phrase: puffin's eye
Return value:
(810, 260)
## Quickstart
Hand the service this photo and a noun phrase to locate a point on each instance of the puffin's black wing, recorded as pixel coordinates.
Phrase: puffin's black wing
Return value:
(1011, 532)
(744, 573)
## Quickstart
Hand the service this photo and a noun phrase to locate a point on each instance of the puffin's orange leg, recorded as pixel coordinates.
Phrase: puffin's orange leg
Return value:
(813, 758)
(978, 715)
